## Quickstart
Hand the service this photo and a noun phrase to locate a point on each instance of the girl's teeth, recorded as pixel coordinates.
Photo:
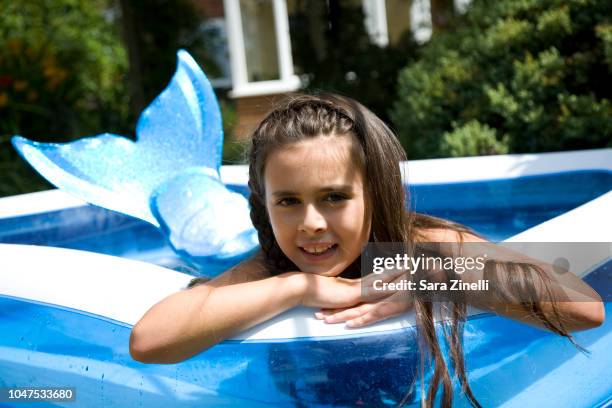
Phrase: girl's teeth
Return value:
(317, 250)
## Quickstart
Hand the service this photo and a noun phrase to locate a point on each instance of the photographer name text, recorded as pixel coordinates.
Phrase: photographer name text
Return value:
(452, 285)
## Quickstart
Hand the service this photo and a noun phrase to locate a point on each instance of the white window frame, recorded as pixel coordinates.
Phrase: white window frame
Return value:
(375, 12)
(241, 87)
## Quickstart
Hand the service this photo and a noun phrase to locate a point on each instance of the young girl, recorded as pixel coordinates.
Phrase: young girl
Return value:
(325, 180)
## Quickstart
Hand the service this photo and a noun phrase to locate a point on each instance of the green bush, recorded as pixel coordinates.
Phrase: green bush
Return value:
(64, 70)
(473, 139)
(62, 76)
(526, 76)
(234, 149)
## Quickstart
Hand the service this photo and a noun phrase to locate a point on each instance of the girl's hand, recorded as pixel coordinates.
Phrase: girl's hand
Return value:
(327, 292)
(369, 312)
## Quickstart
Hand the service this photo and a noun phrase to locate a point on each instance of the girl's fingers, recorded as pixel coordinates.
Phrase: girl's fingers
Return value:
(379, 311)
(321, 314)
(367, 313)
(335, 316)
(371, 285)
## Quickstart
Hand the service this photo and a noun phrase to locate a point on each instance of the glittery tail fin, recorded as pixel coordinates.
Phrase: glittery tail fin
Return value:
(180, 130)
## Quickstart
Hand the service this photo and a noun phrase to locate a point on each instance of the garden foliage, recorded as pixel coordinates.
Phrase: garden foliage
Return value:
(512, 76)
(74, 68)
(62, 76)
(333, 52)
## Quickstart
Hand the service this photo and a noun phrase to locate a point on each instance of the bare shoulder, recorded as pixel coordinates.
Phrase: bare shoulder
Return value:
(448, 235)
(249, 270)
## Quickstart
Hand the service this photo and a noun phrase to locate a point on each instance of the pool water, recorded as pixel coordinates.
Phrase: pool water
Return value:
(55, 345)
(497, 209)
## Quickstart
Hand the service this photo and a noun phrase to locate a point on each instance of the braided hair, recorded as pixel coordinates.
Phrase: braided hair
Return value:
(377, 153)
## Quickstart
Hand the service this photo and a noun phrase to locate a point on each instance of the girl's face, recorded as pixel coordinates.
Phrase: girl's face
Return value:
(316, 202)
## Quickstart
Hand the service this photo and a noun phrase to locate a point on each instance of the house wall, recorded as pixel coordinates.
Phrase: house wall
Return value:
(251, 110)
(210, 8)
(263, 69)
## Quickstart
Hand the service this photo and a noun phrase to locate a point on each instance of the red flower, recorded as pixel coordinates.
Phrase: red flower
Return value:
(6, 80)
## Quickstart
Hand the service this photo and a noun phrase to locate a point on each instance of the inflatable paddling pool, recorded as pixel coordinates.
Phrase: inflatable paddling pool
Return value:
(75, 278)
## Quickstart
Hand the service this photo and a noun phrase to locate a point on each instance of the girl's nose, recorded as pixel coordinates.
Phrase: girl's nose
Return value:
(313, 221)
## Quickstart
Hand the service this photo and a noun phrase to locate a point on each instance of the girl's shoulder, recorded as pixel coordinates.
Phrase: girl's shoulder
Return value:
(447, 235)
(433, 229)
(249, 270)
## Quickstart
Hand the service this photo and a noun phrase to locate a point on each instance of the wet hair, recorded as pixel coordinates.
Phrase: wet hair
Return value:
(378, 154)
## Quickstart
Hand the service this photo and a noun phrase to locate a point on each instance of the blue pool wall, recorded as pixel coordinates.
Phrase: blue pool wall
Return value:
(54, 346)
(497, 209)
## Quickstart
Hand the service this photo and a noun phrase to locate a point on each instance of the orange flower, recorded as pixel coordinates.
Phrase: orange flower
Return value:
(3, 99)
(59, 76)
(31, 95)
(49, 66)
(20, 85)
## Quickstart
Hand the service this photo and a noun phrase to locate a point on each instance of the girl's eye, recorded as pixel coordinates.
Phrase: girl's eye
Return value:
(286, 202)
(335, 197)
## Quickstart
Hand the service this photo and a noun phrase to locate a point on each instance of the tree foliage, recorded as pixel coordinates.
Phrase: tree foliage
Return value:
(62, 76)
(66, 73)
(333, 52)
(154, 30)
(514, 75)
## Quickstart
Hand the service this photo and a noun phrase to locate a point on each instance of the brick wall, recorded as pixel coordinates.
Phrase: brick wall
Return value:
(251, 110)
(209, 8)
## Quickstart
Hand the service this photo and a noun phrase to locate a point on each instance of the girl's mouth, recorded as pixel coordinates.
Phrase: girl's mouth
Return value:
(318, 253)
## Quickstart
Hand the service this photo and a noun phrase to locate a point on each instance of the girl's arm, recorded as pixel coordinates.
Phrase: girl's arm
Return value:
(579, 305)
(190, 321)
(584, 312)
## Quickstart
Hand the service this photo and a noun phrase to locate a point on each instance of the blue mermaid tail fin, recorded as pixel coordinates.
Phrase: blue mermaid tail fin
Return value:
(181, 128)
(91, 170)
(204, 221)
(169, 176)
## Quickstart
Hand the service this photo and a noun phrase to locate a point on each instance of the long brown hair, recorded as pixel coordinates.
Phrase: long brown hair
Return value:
(378, 153)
